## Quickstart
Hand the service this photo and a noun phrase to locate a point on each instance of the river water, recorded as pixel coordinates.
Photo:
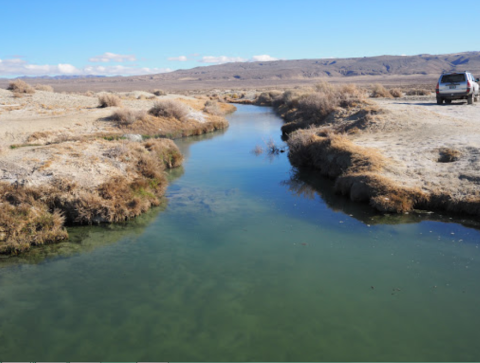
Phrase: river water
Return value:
(248, 262)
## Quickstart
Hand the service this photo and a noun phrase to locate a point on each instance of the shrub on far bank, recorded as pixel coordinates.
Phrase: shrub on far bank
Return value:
(19, 86)
(109, 100)
(126, 116)
(159, 92)
(212, 108)
(378, 91)
(419, 92)
(396, 93)
(269, 98)
(170, 108)
(44, 87)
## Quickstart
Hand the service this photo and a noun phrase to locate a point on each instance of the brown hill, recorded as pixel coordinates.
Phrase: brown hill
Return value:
(423, 68)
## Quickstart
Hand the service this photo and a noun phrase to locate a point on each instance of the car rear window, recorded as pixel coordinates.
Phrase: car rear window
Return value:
(453, 78)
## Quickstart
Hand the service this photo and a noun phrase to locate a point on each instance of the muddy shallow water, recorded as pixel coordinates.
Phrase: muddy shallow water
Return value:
(248, 262)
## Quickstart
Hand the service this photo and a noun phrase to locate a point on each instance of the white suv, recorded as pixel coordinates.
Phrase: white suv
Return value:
(456, 86)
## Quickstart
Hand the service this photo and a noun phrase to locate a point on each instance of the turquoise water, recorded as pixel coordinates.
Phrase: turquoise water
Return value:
(248, 261)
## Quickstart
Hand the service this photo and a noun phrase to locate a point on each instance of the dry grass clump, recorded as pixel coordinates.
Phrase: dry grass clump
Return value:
(170, 108)
(269, 98)
(212, 108)
(324, 87)
(355, 168)
(166, 151)
(382, 193)
(25, 220)
(396, 93)
(35, 215)
(159, 92)
(291, 97)
(109, 100)
(126, 116)
(419, 92)
(304, 108)
(44, 87)
(448, 155)
(332, 154)
(19, 86)
(378, 91)
(318, 105)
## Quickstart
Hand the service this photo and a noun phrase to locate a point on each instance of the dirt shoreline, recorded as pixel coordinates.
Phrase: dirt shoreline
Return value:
(396, 154)
(64, 161)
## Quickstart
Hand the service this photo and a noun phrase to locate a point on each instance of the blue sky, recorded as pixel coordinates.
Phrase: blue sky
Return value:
(147, 36)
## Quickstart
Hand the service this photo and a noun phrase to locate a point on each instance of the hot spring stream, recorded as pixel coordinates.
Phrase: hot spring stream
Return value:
(249, 261)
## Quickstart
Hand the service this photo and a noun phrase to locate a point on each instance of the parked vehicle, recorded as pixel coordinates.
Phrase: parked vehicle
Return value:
(457, 86)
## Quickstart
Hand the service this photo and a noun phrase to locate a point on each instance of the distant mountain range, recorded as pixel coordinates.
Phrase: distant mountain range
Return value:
(386, 69)
(58, 77)
(423, 64)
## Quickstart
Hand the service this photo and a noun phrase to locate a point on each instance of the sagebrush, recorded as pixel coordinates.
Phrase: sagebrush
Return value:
(170, 108)
(19, 86)
(109, 100)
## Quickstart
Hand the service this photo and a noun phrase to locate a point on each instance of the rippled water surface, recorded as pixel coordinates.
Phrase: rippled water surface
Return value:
(249, 261)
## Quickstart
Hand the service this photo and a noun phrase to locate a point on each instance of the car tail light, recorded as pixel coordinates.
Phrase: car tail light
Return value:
(437, 89)
(469, 86)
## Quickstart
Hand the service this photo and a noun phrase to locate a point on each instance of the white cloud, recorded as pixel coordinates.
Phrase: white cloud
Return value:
(121, 70)
(182, 58)
(224, 59)
(112, 57)
(221, 59)
(20, 67)
(263, 58)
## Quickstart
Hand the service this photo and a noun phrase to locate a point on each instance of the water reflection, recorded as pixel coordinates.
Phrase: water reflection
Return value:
(86, 239)
(308, 183)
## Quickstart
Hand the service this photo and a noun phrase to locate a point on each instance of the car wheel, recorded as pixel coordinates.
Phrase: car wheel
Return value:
(448, 102)
(470, 99)
(439, 100)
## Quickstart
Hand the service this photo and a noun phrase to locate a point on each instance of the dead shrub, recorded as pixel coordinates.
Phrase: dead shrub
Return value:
(212, 108)
(378, 91)
(418, 92)
(396, 93)
(269, 98)
(44, 87)
(126, 116)
(170, 108)
(316, 106)
(159, 92)
(109, 100)
(448, 155)
(19, 86)
(324, 87)
(291, 97)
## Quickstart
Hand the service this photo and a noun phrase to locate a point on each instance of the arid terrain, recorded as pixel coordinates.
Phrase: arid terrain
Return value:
(434, 147)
